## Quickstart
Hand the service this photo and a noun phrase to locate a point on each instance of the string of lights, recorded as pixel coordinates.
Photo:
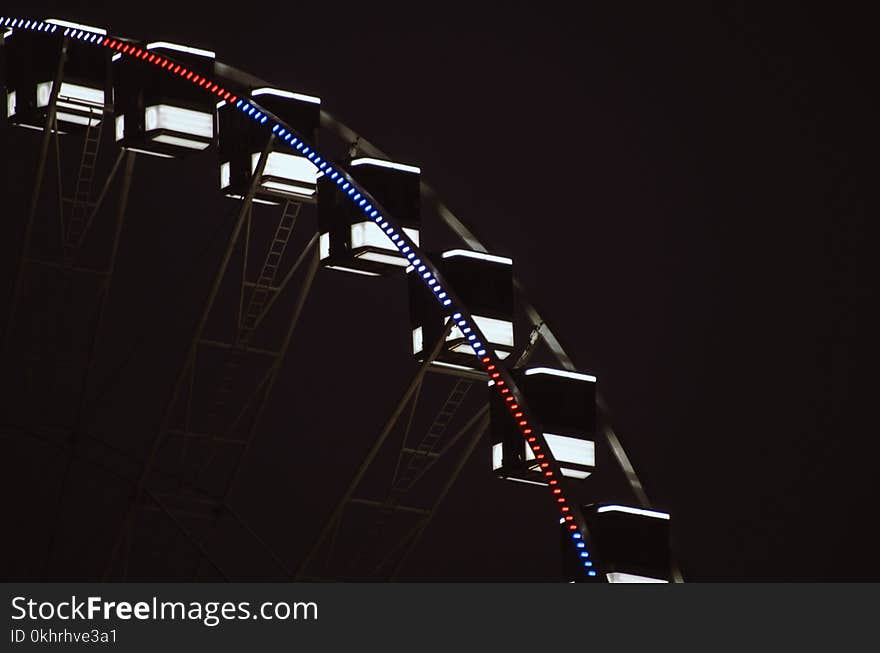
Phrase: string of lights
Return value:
(504, 384)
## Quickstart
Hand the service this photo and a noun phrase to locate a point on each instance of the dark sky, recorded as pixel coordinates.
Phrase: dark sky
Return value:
(683, 192)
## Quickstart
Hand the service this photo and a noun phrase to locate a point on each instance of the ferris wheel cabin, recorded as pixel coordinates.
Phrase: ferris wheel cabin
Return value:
(629, 545)
(564, 405)
(288, 174)
(484, 282)
(31, 66)
(160, 114)
(351, 243)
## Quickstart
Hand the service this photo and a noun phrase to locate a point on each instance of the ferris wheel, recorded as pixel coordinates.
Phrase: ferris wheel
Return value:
(302, 196)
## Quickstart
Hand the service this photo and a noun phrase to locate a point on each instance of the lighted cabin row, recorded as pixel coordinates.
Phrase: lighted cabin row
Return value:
(154, 112)
(160, 114)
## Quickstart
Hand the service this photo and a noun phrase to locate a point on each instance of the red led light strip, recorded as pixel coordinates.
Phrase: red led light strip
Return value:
(165, 64)
(534, 440)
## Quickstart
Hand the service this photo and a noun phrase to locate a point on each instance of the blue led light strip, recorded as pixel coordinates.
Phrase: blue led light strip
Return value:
(504, 383)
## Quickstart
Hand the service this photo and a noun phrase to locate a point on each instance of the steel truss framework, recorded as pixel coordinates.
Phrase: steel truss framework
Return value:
(210, 421)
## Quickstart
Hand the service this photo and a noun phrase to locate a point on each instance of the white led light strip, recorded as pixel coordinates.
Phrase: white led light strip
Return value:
(165, 45)
(635, 511)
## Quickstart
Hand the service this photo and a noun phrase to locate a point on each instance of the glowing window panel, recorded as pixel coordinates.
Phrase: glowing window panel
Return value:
(465, 348)
(574, 473)
(418, 340)
(323, 246)
(82, 95)
(620, 577)
(498, 332)
(180, 142)
(568, 450)
(497, 453)
(289, 167)
(71, 106)
(225, 174)
(387, 259)
(287, 188)
(180, 120)
(120, 127)
(572, 450)
(10, 103)
(369, 234)
(75, 118)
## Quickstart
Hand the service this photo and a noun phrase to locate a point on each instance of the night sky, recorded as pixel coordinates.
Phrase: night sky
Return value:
(683, 192)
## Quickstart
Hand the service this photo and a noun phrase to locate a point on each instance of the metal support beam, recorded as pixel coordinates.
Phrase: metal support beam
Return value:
(198, 545)
(620, 454)
(155, 446)
(59, 179)
(390, 506)
(280, 288)
(217, 344)
(60, 266)
(12, 430)
(77, 425)
(104, 292)
(530, 347)
(409, 422)
(193, 435)
(75, 229)
(276, 367)
(374, 450)
(35, 196)
(410, 450)
(473, 375)
(238, 519)
(404, 479)
(467, 235)
(100, 200)
(264, 389)
(244, 266)
(466, 454)
(452, 442)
